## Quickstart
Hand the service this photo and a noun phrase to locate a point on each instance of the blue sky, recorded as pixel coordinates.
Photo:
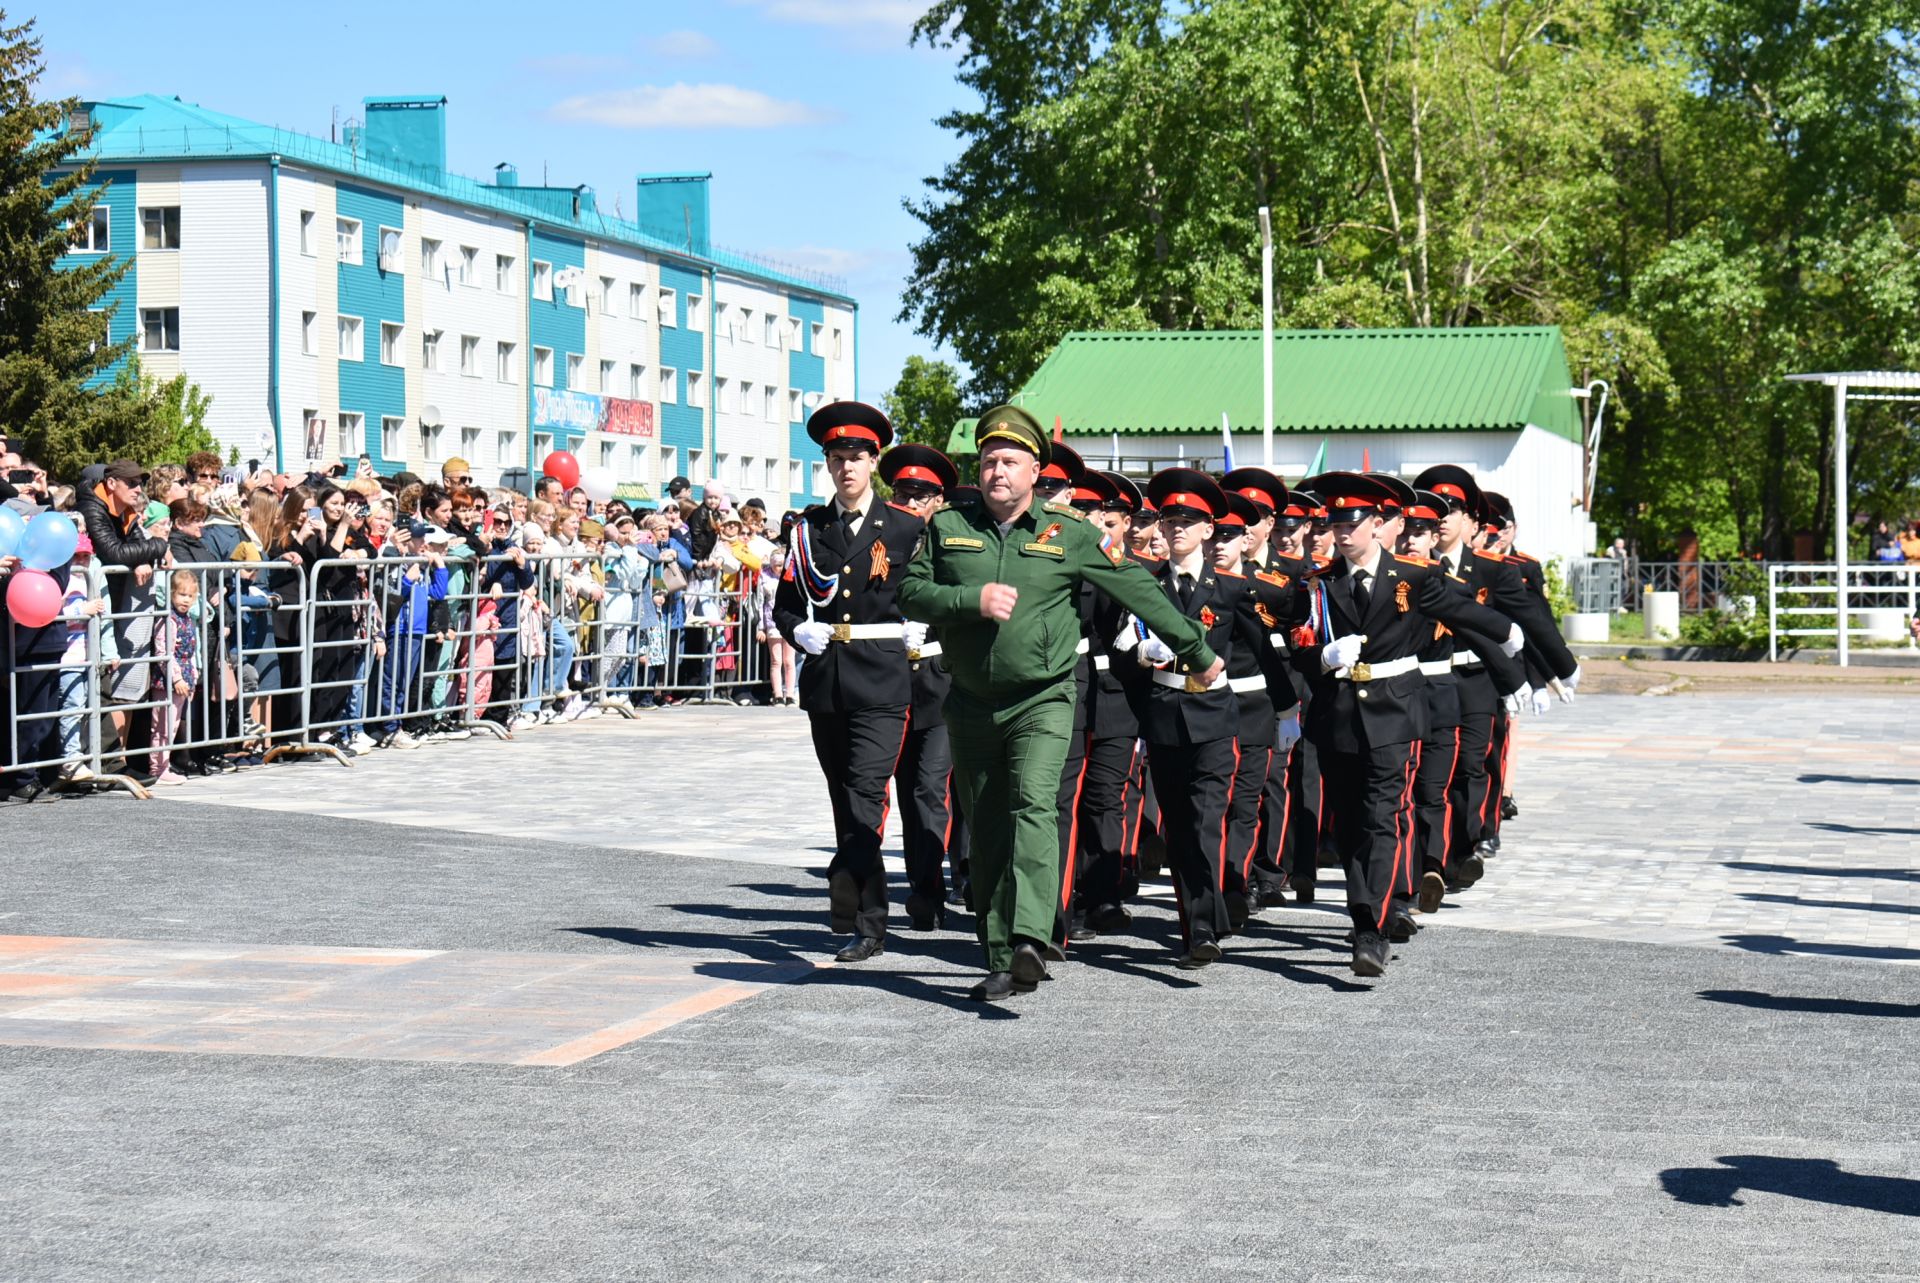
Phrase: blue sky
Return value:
(814, 116)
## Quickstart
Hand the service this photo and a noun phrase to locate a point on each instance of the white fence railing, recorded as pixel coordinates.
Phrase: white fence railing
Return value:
(1879, 601)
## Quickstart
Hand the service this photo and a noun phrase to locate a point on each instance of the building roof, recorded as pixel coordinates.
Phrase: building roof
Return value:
(150, 128)
(1493, 379)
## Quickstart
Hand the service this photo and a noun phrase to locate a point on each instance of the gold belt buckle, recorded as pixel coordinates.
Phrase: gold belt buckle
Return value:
(843, 632)
(913, 654)
(1362, 672)
(1196, 685)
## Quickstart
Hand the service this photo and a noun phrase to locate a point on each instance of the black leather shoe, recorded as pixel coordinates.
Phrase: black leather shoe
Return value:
(1303, 893)
(997, 987)
(1401, 928)
(1054, 953)
(1238, 910)
(1508, 808)
(1433, 889)
(1029, 968)
(1109, 918)
(925, 914)
(1370, 955)
(860, 948)
(843, 901)
(1472, 869)
(1487, 847)
(1201, 954)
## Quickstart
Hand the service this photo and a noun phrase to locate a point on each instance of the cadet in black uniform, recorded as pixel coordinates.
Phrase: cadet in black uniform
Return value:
(1368, 706)
(919, 476)
(845, 560)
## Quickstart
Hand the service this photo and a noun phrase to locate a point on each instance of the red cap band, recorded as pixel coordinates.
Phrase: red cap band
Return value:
(1182, 499)
(1422, 513)
(843, 430)
(1451, 491)
(1258, 496)
(1349, 501)
(1054, 471)
(914, 472)
(1232, 519)
(1093, 496)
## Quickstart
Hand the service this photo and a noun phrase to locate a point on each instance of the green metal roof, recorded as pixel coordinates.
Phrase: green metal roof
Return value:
(1494, 379)
(960, 440)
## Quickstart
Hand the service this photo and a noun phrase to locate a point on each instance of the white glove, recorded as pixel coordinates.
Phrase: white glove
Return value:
(1562, 689)
(1342, 652)
(1154, 652)
(1287, 733)
(1515, 640)
(812, 636)
(1572, 683)
(1520, 700)
(913, 634)
(1542, 701)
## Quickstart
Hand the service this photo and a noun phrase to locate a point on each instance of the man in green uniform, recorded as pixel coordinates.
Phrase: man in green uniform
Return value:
(1000, 579)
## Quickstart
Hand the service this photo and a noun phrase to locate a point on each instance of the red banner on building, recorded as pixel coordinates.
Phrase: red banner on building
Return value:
(625, 418)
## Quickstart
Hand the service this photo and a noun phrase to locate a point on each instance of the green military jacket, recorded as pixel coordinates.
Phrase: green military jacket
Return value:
(1046, 553)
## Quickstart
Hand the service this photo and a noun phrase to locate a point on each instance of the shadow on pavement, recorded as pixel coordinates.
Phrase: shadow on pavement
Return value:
(1818, 1006)
(1856, 779)
(1830, 827)
(1815, 870)
(1787, 944)
(1818, 1180)
(1766, 898)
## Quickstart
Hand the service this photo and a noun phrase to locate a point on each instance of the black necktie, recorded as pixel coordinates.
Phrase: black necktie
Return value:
(847, 517)
(1186, 591)
(1360, 597)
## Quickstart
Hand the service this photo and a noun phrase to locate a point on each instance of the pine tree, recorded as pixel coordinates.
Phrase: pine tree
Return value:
(51, 341)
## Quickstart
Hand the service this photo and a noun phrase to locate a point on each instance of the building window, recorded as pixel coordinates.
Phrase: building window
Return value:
(391, 427)
(352, 429)
(606, 296)
(430, 351)
(390, 259)
(771, 410)
(160, 227)
(696, 312)
(793, 405)
(722, 322)
(669, 318)
(505, 444)
(503, 273)
(839, 346)
(637, 382)
(543, 367)
(637, 463)
(696, 467)
(470, 444)
(306, 232)
(669, 385)
(817, 349)
(346, 240)
(793, 334)
(352, 341)
(309, 333)
(469, 356)
(666, 464)
(773, 330)
(429, 257)
(795, 475)
(312, 426)
(606, 454)
(744, 325)
(722, 387)
(430, 443)
(390, 335)
(746, 398)
(696, 388)
(817, 483)
(607, 368)
(503, 363)
(468, 268)
(721, 462)
(543, 281)
(773, 473)
(542, 444)
(574, 362)
(637, 302)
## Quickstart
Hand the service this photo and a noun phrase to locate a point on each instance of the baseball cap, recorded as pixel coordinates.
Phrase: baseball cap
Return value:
(128, 471)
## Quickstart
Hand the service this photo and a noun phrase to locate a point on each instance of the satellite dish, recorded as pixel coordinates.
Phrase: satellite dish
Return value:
(430, 416)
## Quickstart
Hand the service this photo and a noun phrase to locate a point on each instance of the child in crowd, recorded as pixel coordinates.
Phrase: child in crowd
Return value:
(86, 600)
(181, 672)
(254, 655)
(780, 657)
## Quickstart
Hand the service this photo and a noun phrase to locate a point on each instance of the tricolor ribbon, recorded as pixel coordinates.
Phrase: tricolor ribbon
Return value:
(819, 588)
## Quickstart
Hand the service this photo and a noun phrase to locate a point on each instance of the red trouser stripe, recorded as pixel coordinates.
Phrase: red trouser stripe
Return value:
(1226, 814)
(1406, 800)
(1073, 828)
(1446, 797)
(886, 792)
(1246, 865)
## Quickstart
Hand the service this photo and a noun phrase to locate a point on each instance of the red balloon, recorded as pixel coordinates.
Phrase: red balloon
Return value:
(562, 467)
(33, 598)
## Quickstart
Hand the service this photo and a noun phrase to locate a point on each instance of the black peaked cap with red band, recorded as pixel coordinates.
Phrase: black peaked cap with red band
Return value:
(1241, 512)
(1454, 484)
(1427, 506)
(1351, 492)
(1402, 492)
(1064, 464)
(1499, 505)
(1093, 490)
(1125, 492)
(922, 463)
(1263, 487)
(1307, 501)
(1187, 490)
(850, 423)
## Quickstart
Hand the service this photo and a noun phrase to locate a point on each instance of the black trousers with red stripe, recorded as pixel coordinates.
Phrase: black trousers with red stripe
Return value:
(858, 749)
(1499, 749)
(1439, 758)
(1371, 793)
(1467, 793)
(1266, 875)
(923, 776)
(1243, 814)
(1105, 804)
(1194, 783)
(1072, 777)
(1306, 807)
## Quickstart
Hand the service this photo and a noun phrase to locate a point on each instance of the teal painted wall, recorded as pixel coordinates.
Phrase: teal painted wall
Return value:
(368, 388)
(683, 426)
(808, 373)
(121, 196)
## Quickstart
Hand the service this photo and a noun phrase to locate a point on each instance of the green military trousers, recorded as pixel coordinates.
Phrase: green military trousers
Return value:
(1007, 759)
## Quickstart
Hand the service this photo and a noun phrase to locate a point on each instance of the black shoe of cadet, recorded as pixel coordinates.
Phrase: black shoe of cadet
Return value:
(860, 948)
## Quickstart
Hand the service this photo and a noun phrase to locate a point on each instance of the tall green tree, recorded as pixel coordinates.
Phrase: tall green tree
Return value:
(925, 403)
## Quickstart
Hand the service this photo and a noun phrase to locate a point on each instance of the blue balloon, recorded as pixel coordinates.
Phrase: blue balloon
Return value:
(49, 542)
(13, 528)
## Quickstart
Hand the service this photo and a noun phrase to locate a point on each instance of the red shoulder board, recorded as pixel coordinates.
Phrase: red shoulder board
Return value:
(1490, 556)
(1320, 568)
(898, 507)
(1272, 577)
(1415, 561)
(1529, 558)
(1322, 563)
(1229, 574)
(1147, 558)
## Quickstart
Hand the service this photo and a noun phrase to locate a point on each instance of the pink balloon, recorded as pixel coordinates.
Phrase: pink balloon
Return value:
(562, 467)
(33, 598)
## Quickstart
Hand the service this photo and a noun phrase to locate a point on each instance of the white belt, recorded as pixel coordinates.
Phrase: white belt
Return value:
(927, 651)
(1437, 667)
(1083, 647)
(1182, 682)
(1364, 672)
(1101, 663)
(864, 632)
(1257, 682)
(1463, 658)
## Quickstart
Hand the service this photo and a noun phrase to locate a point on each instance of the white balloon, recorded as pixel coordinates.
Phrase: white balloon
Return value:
(599, 483)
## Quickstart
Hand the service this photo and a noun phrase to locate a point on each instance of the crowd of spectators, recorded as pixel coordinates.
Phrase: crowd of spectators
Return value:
(211, 613)
(1896, 544)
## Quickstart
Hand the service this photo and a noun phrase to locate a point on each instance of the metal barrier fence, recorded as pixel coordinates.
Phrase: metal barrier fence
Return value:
(1805, 601)
(1607, 584)
(255, 661)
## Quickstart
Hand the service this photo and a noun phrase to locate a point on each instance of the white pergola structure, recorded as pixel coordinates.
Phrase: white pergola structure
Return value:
(1854, 385)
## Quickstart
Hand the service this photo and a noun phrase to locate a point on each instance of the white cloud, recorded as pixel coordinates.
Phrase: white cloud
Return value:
(684, 106)
(682, 44)
(899, 14)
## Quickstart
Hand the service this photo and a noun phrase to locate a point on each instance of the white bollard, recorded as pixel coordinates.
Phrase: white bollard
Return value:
(1661, 610)
(1585, 626)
